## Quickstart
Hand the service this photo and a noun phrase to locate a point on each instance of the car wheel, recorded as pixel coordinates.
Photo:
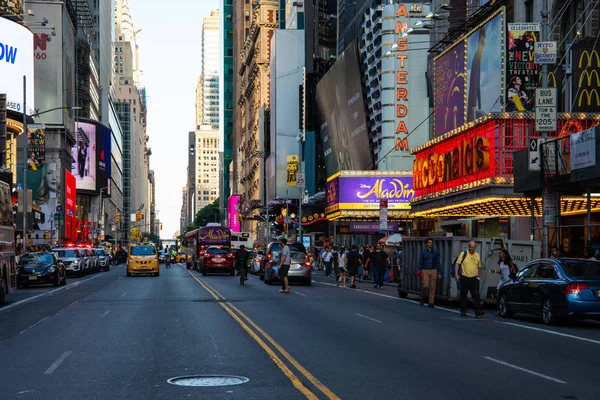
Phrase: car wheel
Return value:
(548, 315)
(157, 274)
(204, 273)
(307, 282)
(503, 307)
(129, 274)
(57, 283)
(403, 294)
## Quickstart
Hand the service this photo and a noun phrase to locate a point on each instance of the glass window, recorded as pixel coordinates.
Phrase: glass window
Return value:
(527, 272)
(143, 250)
(544, 271)
(582, 269)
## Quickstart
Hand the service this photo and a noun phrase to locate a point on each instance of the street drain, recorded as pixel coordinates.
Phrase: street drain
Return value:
(208, 380)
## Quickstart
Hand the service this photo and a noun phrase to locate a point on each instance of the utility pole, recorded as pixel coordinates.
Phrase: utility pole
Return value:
(544, 84)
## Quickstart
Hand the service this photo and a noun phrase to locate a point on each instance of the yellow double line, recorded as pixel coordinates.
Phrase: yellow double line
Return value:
(247, 324)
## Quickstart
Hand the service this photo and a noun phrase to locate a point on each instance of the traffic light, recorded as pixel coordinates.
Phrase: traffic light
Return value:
(138, 216)
(118, 218)
(46, 234)
(161, 226)
(141, 215)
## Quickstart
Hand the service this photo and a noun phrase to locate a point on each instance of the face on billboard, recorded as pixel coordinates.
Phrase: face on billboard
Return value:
(16, 61)
(484, 76)
(340, 101)
(84, 154)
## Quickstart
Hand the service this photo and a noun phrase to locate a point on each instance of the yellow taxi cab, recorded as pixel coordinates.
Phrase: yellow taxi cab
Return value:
(180, 257)
(142, 258)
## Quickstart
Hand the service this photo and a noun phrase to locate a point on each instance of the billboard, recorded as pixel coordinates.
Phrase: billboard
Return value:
(522, 74)
(16, 61)
(465, 158)
(586, 78)
(364, 192)
(103, 155)
(84, 155)
(233, 208)
(293, 162)
(340, 100)
(484, 77)
(450, 86)
(70, 205)
(36, 147)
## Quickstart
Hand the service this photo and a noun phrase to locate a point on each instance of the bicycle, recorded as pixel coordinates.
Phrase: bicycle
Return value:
(242, 274)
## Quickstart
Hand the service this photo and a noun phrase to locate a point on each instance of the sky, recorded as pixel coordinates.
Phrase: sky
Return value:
(170, 44)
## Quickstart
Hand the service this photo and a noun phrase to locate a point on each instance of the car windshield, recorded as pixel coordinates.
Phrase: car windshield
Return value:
(143, 250)
(582, 269)
(217, 251)
(293, 247)
(297, 256)
(36, 259)
(68, 253)
(100, 252)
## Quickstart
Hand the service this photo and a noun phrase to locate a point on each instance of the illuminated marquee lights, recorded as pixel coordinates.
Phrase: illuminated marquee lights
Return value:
(402, 80)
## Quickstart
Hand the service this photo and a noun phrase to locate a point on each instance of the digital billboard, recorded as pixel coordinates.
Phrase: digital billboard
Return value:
(586, 77)
(16, 61)
(36, 147)
(522, 74)
(484, 77)
(70, 205)
(103, 155)
(84, 154)
(340, 100)
(233, 208)
(449, 87)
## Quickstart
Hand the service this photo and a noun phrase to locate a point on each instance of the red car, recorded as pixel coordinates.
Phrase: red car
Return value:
(217, 259)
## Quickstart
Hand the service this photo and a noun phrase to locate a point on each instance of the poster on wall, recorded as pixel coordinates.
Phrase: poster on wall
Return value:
(84, 154)
(522, 74)
(449, 87)
(293, 162)
(484, 75)
(36, 147)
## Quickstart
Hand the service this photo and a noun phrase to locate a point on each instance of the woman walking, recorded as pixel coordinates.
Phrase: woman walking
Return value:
(342, 265)
(507, 268)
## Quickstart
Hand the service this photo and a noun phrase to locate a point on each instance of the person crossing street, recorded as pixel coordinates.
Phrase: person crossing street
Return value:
(430, 267)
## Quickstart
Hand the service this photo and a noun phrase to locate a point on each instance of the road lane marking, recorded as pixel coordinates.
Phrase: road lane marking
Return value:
(525, 370)
(57, 363)
(301, 294)
(29, 299)
(296, 382)
(123, 295)
(28, 328)
(369, 318)
(551, 332)
(105, 314)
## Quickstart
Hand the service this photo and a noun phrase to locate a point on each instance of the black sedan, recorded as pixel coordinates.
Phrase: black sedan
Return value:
(554, 288)
(39, 269)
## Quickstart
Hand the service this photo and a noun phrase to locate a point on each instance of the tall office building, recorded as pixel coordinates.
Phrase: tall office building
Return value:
(226, 101)
(207, 166)
(210, 70)
(199, 102)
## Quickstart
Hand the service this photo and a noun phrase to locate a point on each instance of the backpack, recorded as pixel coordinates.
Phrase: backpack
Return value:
(464, 255)
(352, 259)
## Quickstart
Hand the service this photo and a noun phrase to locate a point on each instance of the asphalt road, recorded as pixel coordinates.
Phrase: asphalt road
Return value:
(110, 337)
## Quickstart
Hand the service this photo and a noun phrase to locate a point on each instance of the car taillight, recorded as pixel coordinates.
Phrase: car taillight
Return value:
(575, 288)
(307, 264)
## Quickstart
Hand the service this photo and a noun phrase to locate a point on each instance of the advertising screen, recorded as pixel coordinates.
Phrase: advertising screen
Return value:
(16, 61)
(36, 147)
(449, 87)
(484, 77)
(586, 77)
(340, 101)
(84, 154)
(233, 208)
(103, 152)
(522, 74)
(70, 205)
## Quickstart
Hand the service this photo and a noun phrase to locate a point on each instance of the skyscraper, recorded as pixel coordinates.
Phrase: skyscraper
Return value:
(210, 70)
(226, 101)
(207, 166)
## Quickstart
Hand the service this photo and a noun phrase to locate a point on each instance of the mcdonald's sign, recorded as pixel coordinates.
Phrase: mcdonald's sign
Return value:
(586, 79)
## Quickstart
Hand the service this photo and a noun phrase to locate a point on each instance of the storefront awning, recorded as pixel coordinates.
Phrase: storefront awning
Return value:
(507, 207)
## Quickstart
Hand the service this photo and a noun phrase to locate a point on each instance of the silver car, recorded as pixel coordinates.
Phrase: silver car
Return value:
(300, 269)
(102, 258)
(73, 260)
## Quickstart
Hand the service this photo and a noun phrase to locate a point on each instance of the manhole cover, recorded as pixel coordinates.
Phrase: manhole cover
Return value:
(208, 380)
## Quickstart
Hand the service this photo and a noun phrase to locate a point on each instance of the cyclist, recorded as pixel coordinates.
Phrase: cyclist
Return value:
(174, 256)
(241, 259)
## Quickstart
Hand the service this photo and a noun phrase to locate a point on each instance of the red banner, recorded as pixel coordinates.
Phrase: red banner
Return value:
(71, 205)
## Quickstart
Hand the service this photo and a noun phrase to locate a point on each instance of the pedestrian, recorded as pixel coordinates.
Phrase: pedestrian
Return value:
(353, 262)
(378, 260)
(431, 268)
(470, 264)
(588, 254)
(342, 262)
(507, 268)
(284, 265)
(336, 262)
(365, 262)
(554, 253)
(327, 260)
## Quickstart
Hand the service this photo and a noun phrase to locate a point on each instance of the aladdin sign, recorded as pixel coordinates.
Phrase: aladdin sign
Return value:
(365, 192)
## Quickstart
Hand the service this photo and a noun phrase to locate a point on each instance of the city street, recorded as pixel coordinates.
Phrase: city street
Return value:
(107, 336)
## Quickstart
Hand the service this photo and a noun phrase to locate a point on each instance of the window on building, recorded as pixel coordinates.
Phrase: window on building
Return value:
(528, 10)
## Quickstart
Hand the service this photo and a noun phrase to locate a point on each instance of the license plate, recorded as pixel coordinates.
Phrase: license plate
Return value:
(218, 259)
(33, 278)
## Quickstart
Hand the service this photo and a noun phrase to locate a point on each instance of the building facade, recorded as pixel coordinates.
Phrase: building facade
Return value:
(207, 166)
(210, 70)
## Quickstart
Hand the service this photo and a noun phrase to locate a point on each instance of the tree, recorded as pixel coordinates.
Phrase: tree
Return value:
(152, 237)
(210, 213)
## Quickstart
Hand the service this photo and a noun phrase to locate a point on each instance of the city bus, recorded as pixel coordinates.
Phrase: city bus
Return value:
(196, 241)
(242, 238)
(8, 273)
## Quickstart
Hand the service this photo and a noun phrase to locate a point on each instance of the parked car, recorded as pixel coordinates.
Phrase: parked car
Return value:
(300, 269)
(553, 289)
(90, 260)
(276, 247)
(120, 257)
(255, 262)
(161, 256)
(217, 259)
(102, 258)
(180, 257)
(40, 268)
(73, 260)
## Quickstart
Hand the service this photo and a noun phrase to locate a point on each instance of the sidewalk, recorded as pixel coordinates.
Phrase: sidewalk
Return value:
(363, 282)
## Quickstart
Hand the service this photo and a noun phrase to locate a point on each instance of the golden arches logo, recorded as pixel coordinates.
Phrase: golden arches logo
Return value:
(589, 75)
(552, 80)
(589, 94)
(590, 57)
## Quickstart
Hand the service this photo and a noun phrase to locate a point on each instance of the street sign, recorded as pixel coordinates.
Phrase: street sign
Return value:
(550, 208)
(300, 179)
(383, 215)
(545, 109)
(545, 53)
(535, 163)
(71, 213)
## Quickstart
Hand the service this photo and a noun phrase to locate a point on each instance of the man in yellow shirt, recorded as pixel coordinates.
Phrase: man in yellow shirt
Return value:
(470, 265)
